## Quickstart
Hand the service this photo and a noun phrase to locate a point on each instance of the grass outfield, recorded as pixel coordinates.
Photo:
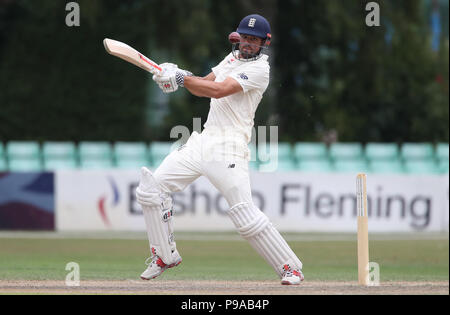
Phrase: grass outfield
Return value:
(45, 258)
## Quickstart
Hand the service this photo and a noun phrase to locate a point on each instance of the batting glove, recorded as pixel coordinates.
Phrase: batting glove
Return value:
(171, 77)
(163, 79)
(180, 75)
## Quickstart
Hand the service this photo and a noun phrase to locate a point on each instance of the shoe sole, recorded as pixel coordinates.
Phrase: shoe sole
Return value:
(167, 267)
(287, 282)
(175, 264)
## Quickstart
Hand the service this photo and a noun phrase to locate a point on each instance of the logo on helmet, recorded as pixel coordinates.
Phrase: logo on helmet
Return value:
(251, 22)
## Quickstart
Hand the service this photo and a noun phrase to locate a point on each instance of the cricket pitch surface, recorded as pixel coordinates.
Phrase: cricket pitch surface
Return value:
(205, 287)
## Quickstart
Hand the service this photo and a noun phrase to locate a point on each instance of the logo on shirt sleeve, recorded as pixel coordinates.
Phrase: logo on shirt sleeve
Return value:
(243, 76)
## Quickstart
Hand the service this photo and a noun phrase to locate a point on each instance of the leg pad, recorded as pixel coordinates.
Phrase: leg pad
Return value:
(157, 209)
(256, 227)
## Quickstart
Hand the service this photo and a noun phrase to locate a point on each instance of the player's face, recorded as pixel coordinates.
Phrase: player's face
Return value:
(250, 45)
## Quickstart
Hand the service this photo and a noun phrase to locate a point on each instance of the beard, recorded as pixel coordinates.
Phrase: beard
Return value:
(247, 51)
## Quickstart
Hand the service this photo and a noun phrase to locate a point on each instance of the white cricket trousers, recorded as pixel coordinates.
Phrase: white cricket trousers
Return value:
(224, 161)
(222, 157)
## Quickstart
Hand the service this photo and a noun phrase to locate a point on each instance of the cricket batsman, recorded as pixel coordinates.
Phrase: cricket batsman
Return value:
(220, 153)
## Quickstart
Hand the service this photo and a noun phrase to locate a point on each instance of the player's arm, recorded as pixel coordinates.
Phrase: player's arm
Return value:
(210, 77)
(173, 77)
(203, 87)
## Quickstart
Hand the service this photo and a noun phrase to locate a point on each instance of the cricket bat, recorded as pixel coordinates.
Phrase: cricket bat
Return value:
(129, 54)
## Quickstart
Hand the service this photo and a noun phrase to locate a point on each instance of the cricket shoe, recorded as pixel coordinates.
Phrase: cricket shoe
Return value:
(291, 276)
(157, 266)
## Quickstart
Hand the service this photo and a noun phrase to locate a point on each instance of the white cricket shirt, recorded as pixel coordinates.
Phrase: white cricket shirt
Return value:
(237, 111)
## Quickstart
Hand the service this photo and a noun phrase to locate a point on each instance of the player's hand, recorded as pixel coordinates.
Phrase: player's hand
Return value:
(166, 79)
(167, 68)
(167, 85)
(171, 77)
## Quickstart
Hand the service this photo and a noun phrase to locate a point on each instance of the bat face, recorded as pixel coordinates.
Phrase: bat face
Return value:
(129, 54)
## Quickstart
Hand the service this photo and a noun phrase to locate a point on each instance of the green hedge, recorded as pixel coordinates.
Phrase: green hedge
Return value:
(329, 70)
